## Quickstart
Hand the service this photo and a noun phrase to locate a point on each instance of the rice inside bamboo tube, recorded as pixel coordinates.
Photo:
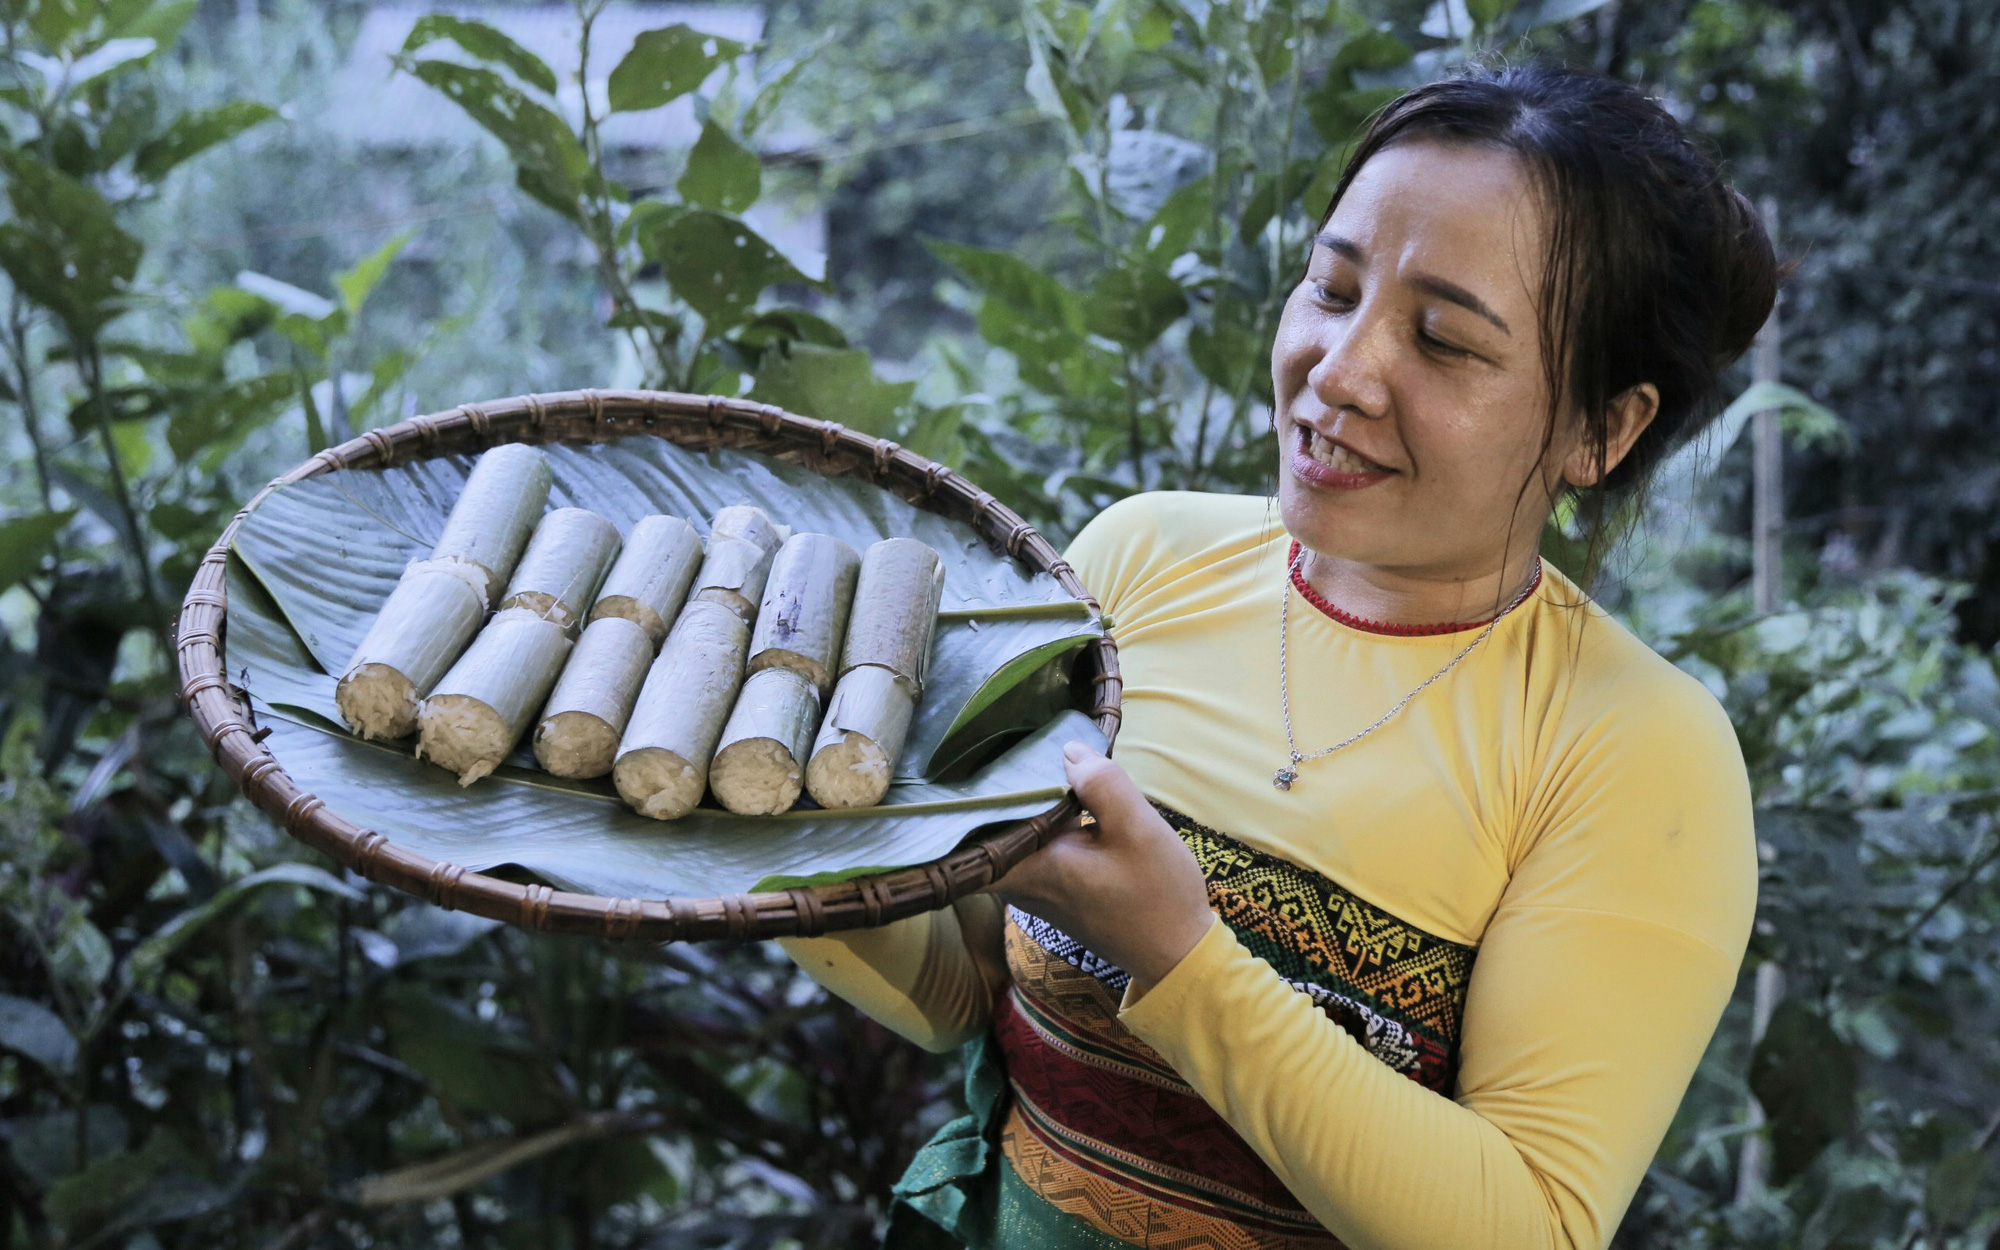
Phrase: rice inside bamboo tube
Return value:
(427, 621)
(882, 667)
(662, 765)
(483, 705)
(651, 579)
(579, 730)
(802, 618)
(478, 712)
(758, 769)
(489, 525)
(741, 542)
(565, 561)
(439, 603)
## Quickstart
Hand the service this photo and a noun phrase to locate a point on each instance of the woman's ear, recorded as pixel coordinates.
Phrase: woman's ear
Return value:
(1626, 419)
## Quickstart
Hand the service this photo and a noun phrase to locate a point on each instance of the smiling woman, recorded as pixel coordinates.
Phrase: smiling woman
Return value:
(1419, 884)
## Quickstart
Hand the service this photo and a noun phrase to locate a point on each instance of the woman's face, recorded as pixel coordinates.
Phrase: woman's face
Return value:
(1411, 399)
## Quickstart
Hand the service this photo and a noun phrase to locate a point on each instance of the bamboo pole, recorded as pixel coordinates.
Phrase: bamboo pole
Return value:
(802, 617)
(425, 624)
(1767, 585)
(662, 765)
(759, 767)
(882, 667)
(741, 542)
(489, 525)
(579, 730)
(427, 621)
(651, 579)
(565, 561)
(482, 706)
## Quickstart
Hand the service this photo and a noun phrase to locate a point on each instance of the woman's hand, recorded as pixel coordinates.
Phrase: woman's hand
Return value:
(1125, 886)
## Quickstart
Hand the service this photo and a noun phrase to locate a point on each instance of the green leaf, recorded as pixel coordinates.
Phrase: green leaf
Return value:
(1013, 281)
(833, 385)
(721, 173)
(1272, 195)
(1338, 112)
(46, 1146)
(1154, 27)
(1805, 1078)
(714, 262)
(220, 421)
(285, 298)
(24, 540)
(788, 325)
(484, 42)
(1487, 12)
(131, 1189)
(1371, 51)
(28, 1028)
(1952, 1188)
(162, 23)
(318, 557)
(665, 65)
(1173, 230)
(1228, 349)
(772, 90)
(357, 283)
(316, 439)
(194, 133)
(1133, 305)
(550, 164)
(476, 1067)
(151, 955)
(112, 57)
(65, 249)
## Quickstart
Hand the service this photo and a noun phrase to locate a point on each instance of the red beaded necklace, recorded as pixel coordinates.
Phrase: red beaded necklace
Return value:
(1367, 626)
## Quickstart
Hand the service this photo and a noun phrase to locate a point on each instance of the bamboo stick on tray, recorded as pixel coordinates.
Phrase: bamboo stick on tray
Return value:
(579, 730)
(662, 766)
(495, 514)
(741, 542)
(482, 706)
(759, 768)
(440, 602)
(565, 561)
(882, 668)
(650, 582)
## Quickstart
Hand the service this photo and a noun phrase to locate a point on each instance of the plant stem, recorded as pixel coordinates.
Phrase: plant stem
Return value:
(602, 231)
(89, 355)
(31, 421)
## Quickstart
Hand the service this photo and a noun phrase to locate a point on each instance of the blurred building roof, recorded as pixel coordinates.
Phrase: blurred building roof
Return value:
(377, 106)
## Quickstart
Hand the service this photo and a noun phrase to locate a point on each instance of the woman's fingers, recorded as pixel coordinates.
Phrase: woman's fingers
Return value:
(1105, 790)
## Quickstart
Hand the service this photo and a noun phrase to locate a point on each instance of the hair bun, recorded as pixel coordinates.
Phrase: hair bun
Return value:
(1746, 274)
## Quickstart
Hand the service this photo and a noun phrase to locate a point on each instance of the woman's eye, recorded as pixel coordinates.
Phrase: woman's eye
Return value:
(1439, 346)
(1327, 295)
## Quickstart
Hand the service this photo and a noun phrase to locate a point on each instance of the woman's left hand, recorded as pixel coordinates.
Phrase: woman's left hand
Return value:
(1126, 886)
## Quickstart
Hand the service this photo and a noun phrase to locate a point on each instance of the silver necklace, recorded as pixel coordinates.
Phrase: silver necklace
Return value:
(1285, 776)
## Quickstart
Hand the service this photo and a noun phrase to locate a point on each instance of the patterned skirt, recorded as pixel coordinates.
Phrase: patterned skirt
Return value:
(1080, 1135)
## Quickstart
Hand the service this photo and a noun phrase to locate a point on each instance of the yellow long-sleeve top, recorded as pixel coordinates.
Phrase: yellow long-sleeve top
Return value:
(1565, 814)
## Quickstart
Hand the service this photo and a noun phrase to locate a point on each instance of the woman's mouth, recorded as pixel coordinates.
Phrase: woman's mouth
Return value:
(1319, 461)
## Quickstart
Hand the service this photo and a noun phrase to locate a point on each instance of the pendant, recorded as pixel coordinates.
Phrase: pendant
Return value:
(1284, 777)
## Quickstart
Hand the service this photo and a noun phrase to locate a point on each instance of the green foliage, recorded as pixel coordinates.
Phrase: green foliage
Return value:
(1203, 143)
(1077, 223)
(665, 65)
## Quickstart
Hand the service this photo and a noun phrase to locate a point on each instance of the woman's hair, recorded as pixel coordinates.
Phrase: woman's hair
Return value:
(1658, 271)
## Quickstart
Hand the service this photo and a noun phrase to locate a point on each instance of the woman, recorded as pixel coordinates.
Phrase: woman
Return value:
(1419, 884)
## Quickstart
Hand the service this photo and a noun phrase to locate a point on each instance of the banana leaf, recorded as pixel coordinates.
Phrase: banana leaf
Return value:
(313, 563)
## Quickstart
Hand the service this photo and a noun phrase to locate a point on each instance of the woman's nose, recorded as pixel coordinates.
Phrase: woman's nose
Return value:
(1353, 367)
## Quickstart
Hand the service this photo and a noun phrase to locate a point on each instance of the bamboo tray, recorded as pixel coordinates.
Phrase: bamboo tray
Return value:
(222, 710)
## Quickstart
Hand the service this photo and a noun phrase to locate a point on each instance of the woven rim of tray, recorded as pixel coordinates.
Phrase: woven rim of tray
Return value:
(698, 421)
